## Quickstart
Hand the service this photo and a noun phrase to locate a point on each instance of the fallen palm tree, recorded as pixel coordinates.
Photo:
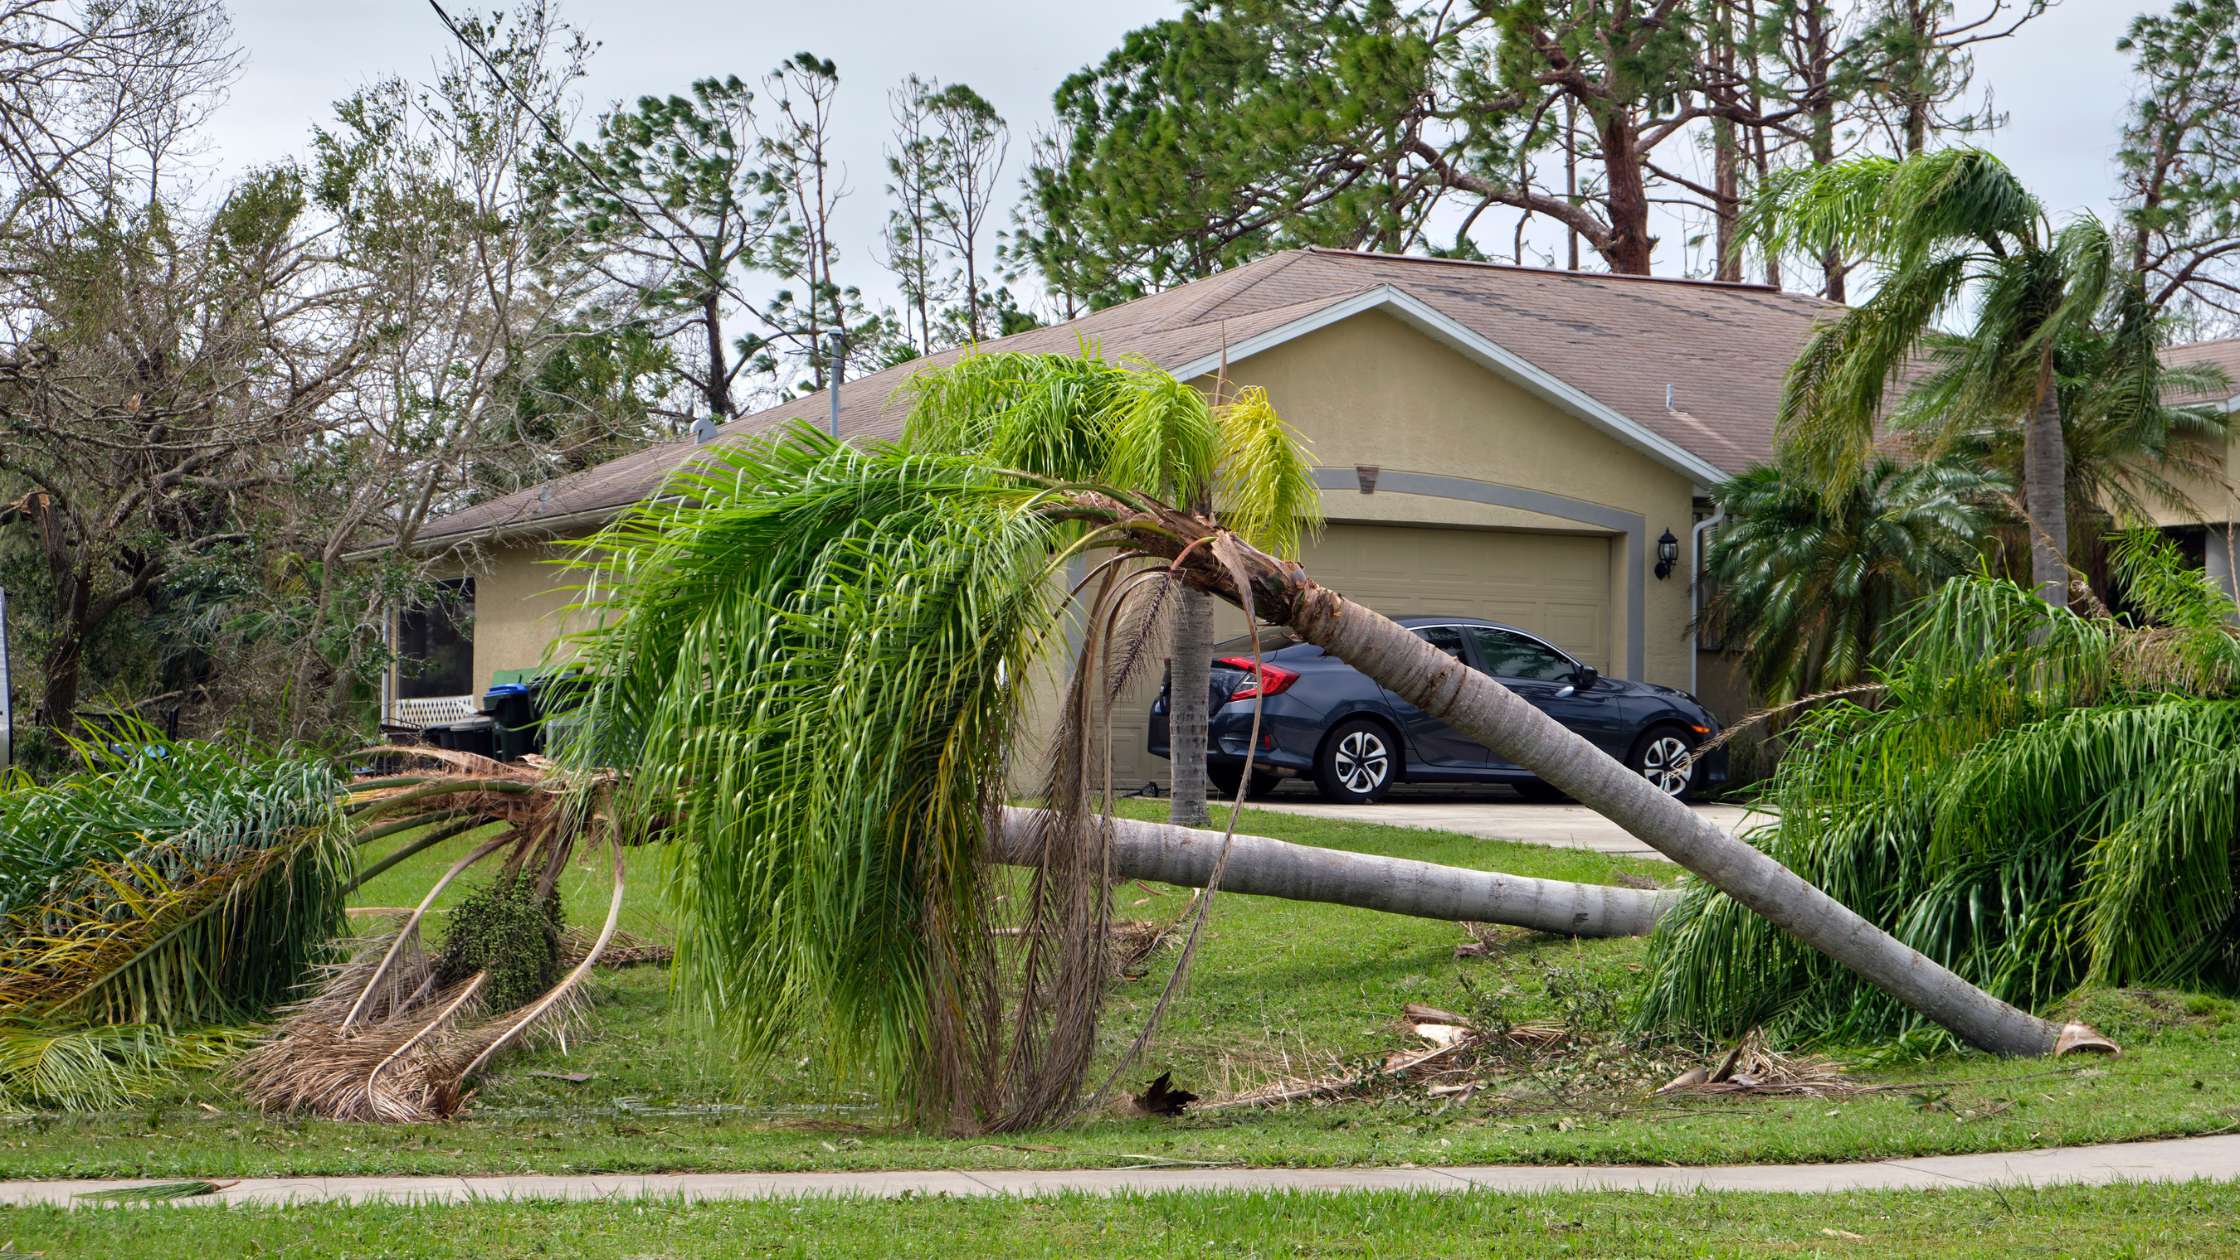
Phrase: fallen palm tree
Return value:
(1268, 867)
(150, 903)
(813, 664)
(398, 1032)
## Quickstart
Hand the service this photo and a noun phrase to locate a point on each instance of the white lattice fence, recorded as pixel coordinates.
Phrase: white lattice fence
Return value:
(431, 710)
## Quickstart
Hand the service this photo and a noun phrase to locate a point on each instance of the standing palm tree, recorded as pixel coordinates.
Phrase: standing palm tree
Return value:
(1083, 419)
(1803, 586)
(1955, 234)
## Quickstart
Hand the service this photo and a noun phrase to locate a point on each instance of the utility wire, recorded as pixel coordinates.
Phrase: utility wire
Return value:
(554, 134)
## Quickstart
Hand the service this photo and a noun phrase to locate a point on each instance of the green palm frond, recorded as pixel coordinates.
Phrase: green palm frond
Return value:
(1163, 437)
(1129, 425)
(101, 1067)
(1898, 211)
(1832, 397)
(169, 884)
(1265, 490)
(813, 662)
(1943, 195)
(2038, 799)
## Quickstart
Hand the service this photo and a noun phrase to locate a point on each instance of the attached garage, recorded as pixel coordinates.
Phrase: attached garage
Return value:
(1555, 585)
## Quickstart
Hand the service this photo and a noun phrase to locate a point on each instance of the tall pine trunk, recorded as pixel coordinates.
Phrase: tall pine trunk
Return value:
(2045, 476)
(1188, 683)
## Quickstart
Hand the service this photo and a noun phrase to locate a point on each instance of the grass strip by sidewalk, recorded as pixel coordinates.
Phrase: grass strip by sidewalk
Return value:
(2143, 1221)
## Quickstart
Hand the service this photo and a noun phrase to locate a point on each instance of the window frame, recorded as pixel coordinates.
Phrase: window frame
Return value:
(457, 608)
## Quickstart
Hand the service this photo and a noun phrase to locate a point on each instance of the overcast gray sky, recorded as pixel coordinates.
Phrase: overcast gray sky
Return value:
(2061, 78)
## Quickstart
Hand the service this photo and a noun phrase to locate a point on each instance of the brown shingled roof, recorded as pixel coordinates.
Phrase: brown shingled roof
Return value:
(2224, 354)
(1623, 341)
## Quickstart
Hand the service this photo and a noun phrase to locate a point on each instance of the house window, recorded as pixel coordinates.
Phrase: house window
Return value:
(435, 644)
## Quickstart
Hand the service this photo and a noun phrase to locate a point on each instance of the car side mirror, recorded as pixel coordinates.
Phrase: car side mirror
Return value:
(1585, 679)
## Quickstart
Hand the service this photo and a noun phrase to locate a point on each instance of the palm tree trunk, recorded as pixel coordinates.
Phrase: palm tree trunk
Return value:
(1188, 682)
(1268, 867)
(1493, 715)
(2045, 475)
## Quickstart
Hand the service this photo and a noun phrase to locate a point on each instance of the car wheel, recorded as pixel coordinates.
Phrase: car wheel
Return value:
(1224, 781)
(1540, 793)
(1357, 764)
(1665, 757)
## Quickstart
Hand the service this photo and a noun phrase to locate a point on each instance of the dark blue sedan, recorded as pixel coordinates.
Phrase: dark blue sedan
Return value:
(1323, 719)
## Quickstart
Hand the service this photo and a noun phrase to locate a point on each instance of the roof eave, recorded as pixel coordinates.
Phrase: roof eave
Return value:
(514, 530)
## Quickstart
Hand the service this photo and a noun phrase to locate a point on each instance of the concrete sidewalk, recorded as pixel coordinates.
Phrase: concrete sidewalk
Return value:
(1558, 826)
(2185, 1159)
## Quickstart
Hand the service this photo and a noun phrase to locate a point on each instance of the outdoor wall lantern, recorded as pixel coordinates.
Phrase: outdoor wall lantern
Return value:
(1668, 555)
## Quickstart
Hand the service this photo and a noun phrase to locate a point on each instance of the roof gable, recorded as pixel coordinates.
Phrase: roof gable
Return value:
(1439, 327)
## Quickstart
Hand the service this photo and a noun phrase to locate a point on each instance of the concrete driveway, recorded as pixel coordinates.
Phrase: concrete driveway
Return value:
(1496, 815)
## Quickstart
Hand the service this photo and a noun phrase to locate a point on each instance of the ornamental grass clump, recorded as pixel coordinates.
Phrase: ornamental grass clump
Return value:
(2038, 798)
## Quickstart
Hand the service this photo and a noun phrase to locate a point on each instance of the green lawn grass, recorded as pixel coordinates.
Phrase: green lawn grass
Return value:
(1279, 989)
(2138, 1221)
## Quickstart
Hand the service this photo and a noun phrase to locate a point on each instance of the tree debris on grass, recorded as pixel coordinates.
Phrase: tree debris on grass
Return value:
(625, 950)
(1752, 1067)
(395, 1034)
(1535, 1064)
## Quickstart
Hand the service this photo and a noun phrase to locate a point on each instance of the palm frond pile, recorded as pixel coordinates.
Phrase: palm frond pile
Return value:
(397, 1031)
(2038, 799)
(152, 899)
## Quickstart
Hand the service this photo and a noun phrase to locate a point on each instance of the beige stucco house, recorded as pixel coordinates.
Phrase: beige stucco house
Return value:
(1491, 440)
(2213, 523)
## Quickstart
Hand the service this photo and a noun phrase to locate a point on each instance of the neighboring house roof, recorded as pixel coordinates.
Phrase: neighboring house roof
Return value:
(2224, 354)
(1688, 370)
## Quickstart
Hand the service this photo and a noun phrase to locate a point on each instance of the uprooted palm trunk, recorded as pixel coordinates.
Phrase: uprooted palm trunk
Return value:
(1473, 703)
(396, 1033)
(1268, 867)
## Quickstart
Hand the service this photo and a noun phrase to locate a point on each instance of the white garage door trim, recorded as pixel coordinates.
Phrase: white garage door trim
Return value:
(1470, 489)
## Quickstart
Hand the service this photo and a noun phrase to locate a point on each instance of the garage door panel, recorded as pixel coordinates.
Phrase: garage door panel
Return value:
(1555, 585)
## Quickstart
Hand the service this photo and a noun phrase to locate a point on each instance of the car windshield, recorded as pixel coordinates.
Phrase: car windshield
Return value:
(1272, 639)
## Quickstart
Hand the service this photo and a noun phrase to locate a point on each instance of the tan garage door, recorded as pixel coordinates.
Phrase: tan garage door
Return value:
(1554, 585)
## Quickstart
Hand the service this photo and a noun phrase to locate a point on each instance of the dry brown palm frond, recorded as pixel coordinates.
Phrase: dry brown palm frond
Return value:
(472, 765)
(1034, 1047)
(627, 949)
(1753, 1067)
(1134, 942)
(384, 1036)
(315, 1065)
(1141, 629)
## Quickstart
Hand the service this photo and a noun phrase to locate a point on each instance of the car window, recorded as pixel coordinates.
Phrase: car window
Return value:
(1447, 639)
(1510, 655)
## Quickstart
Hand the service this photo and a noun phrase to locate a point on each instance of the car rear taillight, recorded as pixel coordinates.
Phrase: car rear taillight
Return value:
(1269, 680)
